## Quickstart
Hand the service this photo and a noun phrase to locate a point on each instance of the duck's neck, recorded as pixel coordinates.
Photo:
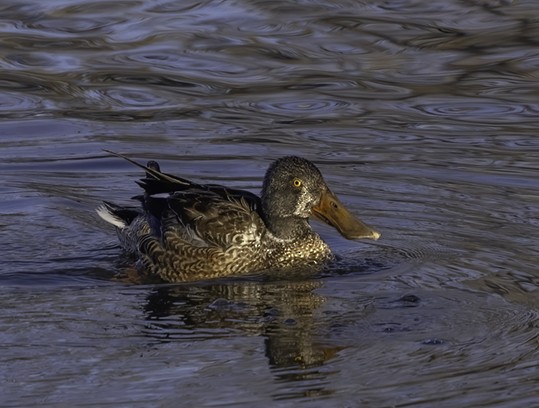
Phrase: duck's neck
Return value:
(289, 228)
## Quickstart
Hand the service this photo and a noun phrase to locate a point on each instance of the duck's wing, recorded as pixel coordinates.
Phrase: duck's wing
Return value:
(199, 214)
(210, 218)
(157, 182)
(160, 182)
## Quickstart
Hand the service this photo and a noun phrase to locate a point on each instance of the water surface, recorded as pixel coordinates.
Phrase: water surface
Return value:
(422, 116)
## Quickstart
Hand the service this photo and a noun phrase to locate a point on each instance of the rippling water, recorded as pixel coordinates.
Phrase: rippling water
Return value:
(421, 115)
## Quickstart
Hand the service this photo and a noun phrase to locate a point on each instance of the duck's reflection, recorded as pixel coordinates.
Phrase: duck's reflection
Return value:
(281, 312)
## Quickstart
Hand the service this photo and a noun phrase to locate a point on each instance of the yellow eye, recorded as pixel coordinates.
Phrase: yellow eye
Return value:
(297, 183)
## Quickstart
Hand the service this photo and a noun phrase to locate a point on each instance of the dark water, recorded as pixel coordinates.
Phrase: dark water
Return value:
(422, 116)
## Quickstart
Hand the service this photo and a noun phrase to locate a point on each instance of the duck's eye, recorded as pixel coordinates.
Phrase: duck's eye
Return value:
(297, 183)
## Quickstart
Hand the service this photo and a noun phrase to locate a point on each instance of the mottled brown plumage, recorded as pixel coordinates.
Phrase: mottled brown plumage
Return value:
(186, 231)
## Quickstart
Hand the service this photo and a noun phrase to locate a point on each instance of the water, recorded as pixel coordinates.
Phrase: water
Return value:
(421, 115)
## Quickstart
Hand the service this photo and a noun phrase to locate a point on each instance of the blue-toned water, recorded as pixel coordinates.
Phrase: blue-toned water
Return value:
(423, 118)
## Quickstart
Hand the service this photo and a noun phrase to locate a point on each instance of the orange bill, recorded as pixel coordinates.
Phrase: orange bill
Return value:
(333, 212)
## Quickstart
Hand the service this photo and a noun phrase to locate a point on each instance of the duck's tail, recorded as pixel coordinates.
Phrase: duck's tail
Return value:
(116, 215)
(131, 224)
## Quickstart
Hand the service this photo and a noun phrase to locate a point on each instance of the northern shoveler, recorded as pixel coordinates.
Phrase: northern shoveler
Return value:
(187, 231)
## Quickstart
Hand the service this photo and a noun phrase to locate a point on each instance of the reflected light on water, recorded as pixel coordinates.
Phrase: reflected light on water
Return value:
(422, 116)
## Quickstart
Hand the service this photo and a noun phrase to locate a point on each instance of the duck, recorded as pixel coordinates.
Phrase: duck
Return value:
(183, 231)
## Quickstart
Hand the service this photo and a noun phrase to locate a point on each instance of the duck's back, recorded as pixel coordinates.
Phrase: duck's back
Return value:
(201, 234)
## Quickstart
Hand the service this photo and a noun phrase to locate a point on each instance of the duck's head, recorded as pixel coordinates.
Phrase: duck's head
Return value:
(295, 190)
